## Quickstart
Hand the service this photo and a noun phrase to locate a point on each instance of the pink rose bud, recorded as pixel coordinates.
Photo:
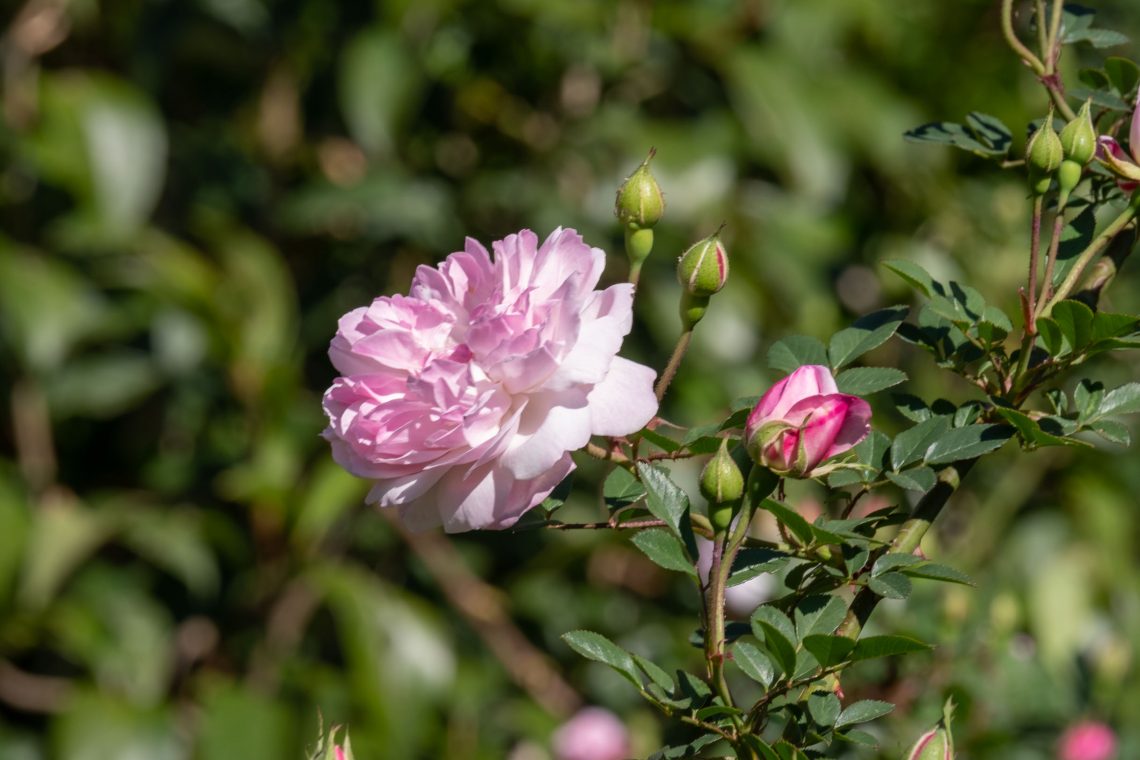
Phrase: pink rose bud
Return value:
(462, 401)
(703, 269)
(339, 753)
(1087, 740)
(593, 734)
(938, 742)
(803, 420)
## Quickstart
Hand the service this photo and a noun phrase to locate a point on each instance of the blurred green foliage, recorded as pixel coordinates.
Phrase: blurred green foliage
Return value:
(192, 192)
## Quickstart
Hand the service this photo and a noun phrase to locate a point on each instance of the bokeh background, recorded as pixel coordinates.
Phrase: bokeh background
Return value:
(191, 193)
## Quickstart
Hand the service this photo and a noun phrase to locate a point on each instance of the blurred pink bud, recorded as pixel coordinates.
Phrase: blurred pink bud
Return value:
(339, 752)
(803, 420)
(593, 734)
(1087, 740)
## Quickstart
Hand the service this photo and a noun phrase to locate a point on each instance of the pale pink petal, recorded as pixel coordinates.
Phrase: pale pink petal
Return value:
(550, 426)
(606, 320)
(623, 403)
(490, 497)
(1134, 130)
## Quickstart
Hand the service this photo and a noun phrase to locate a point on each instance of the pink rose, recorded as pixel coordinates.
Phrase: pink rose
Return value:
(592, 734)
(803, 420)
(1087, 740)
(464, 399)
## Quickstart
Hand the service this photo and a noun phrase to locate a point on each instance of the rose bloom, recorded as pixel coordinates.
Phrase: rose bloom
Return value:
(592, 734)
(1087, 740)
(803, 420)
(463, 400)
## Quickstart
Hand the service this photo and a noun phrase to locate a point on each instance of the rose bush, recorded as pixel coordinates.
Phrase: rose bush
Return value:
(464, 399)
(803, 420)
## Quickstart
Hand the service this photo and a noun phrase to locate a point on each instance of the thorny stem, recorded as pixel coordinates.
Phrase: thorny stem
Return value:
(674, 363)
(1051, 261)
(1034, 247)
(598, 452)
(907, 540)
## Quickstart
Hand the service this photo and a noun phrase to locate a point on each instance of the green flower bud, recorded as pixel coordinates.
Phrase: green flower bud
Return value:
(722, 484)
(1043, 155)
(937, 743)
(703, 269)
(1078, 138)
(1068, 176)
(640, 203)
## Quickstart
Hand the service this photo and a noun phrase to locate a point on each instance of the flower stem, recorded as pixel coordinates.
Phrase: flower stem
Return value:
(674, 363)
(1051, 260)
(1054, 36)
(1034, 247)
(907, 540)
(1011, 39)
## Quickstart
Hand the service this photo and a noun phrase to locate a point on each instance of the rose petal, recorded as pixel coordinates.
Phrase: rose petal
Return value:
(623, 403)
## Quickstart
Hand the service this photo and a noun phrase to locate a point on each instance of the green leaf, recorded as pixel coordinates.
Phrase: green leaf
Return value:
(622, 489)
(656, 673)
(920, 479)
(890, 585)
(889, 562)
(665, 500)
(1123, 74)
(863, 381)
(774, 618)
(911, 445)
(1031, 432)
(1122, 400)
(916, 276)
(750, 563)
(663, 442)
(1075, 320)
(824, 708)
(862, 711)
(779, 646)
(819, 614)
(1107, 326)
(866, 333)
(791, 519)
(967, 443)
(595, 646)
(871, 647)
(983, 135)
(665, 549)
(753, 663)
(936, 572)
(796, 351)
(828, 650)
(1113, 431)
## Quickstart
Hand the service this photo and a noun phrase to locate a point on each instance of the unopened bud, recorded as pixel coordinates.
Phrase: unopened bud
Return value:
(1078, 138)
(703, 269)
(1043, 155)
(639, 201)
(722, 484)
(937, 743)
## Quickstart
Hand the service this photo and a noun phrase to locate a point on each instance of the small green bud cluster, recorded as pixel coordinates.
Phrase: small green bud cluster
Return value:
(1078, 140)
(639, 206)
(722, 484)
(1065, 155)
(702, 270)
